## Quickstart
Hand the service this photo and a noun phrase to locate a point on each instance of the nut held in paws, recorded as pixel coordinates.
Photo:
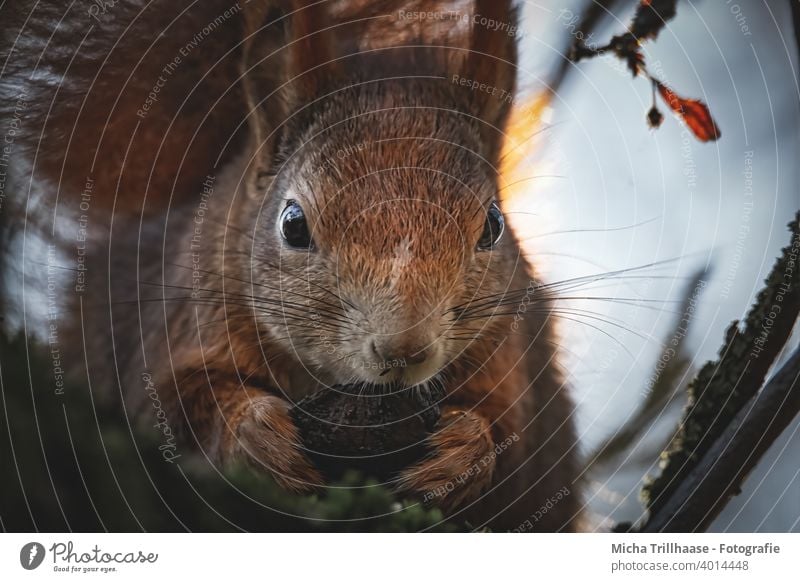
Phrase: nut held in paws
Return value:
(355, 427)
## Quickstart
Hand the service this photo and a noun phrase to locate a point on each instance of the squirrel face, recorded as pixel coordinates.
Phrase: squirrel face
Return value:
(383, 220)
(380, 223)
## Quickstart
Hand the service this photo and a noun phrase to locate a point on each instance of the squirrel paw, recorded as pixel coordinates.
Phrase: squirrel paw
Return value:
(265, 437)
(460, 465)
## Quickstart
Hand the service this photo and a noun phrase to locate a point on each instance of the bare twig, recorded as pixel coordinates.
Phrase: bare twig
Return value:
(649, 20)
(593, 15)
(795, 4)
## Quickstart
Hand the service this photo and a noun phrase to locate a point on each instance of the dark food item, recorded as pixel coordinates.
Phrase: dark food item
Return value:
(354, 426)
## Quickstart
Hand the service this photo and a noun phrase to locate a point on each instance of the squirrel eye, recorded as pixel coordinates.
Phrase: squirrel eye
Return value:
(492, 229)
(294, 227)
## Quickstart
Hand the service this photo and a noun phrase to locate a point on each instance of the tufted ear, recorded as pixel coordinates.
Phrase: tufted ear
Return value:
(491, 64)
(288, 62)
(312, 61)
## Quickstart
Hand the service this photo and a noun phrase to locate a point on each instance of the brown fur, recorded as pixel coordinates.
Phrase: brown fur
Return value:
(394, 219)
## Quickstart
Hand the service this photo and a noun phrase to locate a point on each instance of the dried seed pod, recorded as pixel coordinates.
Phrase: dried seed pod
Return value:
(654, 117)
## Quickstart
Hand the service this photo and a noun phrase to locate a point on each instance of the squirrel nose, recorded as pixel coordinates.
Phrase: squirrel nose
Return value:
(408, 354)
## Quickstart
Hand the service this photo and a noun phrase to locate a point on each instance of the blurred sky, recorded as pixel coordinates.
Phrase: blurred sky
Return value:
(689, 199)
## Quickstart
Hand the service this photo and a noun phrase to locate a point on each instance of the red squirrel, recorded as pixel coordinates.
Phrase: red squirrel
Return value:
(281, 196)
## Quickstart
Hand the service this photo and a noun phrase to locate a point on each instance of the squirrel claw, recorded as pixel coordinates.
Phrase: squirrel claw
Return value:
(460, 466)
(267, 439)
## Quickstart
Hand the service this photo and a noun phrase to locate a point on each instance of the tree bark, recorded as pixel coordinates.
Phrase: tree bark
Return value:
(708, 487)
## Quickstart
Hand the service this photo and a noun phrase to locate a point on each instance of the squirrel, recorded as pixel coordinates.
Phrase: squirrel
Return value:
(265, 198)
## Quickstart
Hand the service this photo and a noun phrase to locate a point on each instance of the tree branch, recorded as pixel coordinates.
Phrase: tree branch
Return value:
(721, 393)
(795, 5)
(593, 15)
(649, 20)
(705, 491)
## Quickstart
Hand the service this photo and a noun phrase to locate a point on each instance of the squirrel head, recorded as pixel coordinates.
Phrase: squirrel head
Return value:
(377, 199)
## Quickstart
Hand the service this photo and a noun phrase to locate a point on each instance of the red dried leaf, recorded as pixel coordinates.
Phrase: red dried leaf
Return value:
(695, 113)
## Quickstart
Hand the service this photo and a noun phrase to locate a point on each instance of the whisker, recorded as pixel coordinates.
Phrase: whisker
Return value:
(226, 293)
(308, 281)
(605, 333)
(303, 309)
(487, 298)
(611, 274)
(527, 139)
(529, 178)
(264, 286)
(586, 230)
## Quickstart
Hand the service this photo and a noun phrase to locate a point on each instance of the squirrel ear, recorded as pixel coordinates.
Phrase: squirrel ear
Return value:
(492, 61)
(288, 61)
(311, 51)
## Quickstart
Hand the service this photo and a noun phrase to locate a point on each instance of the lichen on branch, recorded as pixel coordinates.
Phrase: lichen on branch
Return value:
(724, 386)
